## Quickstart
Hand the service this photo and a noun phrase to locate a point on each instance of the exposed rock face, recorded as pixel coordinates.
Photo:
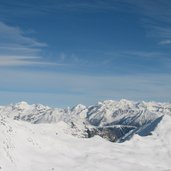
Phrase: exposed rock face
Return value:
(110, 133)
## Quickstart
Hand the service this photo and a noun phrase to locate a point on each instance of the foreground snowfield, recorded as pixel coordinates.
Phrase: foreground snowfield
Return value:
(43, 147)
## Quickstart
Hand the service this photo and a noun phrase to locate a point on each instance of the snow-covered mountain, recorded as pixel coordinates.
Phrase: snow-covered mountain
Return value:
(114, 120)
(37, 137)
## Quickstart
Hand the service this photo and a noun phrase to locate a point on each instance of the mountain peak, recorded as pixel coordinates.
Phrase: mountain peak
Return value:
(22, 105)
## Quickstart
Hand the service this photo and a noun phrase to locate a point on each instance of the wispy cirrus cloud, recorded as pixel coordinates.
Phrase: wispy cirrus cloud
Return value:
(18, 49)
(44, 7)
(14, 36)
(155, 16)
(165, 42)
(161, 32)
(7, 61)
(69, 89)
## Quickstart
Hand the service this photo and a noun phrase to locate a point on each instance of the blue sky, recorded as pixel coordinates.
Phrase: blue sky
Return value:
(61, 52)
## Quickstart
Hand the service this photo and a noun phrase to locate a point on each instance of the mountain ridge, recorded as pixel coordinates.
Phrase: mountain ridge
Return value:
(109, 119)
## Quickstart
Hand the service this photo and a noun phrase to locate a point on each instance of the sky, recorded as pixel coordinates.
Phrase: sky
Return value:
(61, 53)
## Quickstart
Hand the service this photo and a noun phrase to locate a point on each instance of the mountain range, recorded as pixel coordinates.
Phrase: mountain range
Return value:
(113, 120)
(38, 137)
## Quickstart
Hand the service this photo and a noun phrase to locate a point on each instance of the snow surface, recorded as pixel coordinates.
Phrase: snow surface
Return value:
(44, 147)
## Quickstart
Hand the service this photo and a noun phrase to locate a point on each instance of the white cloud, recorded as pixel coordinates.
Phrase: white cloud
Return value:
(165, 42)
(157, 10)
(18, 49)
(7, 61)
(13, 36)
(44, 7)
(155, 17)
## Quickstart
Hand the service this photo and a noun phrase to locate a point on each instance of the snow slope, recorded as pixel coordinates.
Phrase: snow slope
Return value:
(43, 147)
